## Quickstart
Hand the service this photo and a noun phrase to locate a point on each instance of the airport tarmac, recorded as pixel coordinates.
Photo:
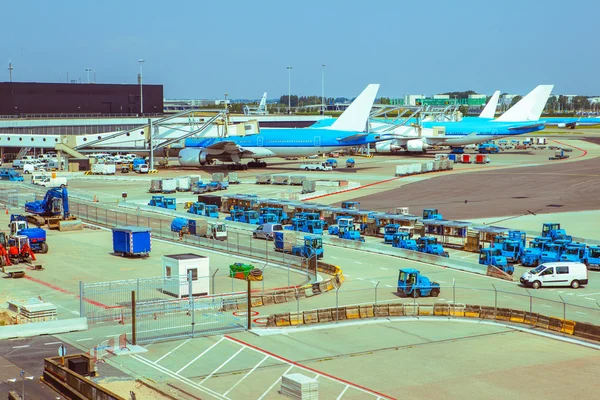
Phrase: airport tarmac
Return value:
(449, 360)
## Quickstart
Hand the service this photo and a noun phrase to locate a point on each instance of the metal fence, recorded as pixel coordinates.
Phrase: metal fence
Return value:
(490, 296)
(162, 307)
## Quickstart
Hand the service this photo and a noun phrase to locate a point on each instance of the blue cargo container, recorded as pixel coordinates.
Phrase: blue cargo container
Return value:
(131, 241)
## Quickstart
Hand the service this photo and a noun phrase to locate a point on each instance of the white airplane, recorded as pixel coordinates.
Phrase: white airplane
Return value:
(260, 110)
(522, 118)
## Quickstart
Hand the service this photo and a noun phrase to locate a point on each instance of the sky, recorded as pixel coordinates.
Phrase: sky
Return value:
(200, 49)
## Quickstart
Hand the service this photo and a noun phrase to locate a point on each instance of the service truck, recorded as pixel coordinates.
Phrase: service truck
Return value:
(322, 166)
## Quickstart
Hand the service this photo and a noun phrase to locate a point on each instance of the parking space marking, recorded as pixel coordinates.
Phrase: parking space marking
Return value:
(385, 269)
(587, 294)
(245, 376)
(178, 377)
(83, 340)
(306, 369)
(589, 298)
(390, 286)
(20, 347)
(220, 366)
(343, 391)
(274, 383)
(201, 354)
(157, 361)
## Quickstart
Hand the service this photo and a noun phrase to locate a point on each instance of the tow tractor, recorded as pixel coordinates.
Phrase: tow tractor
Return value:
(493, 256)
(429, 245)
(412, 284)
(402, 240)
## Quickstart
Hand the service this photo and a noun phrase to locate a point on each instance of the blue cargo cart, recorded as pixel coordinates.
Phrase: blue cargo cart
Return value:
(131, 241)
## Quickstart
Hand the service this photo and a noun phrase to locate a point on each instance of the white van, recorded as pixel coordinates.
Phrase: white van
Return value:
(572, 274)
(267, 231)
(38, 177)
(31, 168)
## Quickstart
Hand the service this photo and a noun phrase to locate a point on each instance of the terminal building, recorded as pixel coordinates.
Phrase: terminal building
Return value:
(35, 99)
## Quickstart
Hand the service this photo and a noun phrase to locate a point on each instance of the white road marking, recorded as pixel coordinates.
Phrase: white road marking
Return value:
(587, 294)
(275, 383)
(335, 258)
(343, 391)
(221, 366)
(166, 355)
(20, 347)
(385, 269)
(49, 343)
(589, 298)
(438, 281)
(345, 274)
(579, 312)
(360, 279)
(545, 305)
(83, 340)
(374, 282)
(357, 262)
(390, 286)
(201, 354)
(245, 376)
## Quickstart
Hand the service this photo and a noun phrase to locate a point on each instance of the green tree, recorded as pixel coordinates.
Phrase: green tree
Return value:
(515, 100)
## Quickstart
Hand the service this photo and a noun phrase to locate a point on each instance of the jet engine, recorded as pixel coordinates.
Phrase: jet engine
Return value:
(389, 146)
(194, 157)
(416, 145)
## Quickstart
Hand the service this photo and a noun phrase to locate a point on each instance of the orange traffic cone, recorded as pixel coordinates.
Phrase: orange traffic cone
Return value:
(6, 209)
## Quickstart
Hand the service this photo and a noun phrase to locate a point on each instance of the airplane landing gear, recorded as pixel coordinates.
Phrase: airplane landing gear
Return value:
(257, 164)
(237, 167)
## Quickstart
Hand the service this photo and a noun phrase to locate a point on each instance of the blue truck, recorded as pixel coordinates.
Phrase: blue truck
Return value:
(389, 231)
(37, 236)
(592, 259)
(488, 148)
(574, 252)
(432, 213)
(211, 210)
(412, 284)
(532, 254)
(554, 231)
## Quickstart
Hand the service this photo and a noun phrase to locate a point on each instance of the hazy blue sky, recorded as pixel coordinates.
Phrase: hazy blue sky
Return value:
(202, 49)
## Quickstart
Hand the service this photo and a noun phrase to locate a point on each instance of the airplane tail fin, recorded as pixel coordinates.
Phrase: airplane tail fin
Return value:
(356, 116)
(489, 111)
(530, 107)
(263, 102)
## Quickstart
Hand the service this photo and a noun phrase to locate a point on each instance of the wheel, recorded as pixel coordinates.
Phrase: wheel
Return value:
(306, 169)
(229, 167)
(417, 293)
(254, 235)
(264, 164)
(44, 247)
(268, 237)
(510, 272)
(245, 167)
(318, 169)
(536, 285)
(575, 284)
(435, 292)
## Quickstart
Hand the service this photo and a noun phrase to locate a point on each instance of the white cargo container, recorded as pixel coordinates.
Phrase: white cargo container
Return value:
(183, 184)
(169, 186)
(176, 269)
(103, 169)
(401, 170)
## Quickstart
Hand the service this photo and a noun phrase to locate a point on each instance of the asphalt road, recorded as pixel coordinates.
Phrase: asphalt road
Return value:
(559, 187)
(28, 355)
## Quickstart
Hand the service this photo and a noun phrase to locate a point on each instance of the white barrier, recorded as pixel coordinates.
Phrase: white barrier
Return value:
(43, 328)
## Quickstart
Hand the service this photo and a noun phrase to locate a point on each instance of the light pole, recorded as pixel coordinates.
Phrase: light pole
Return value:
(323, 89)
(141, 86)
(88, 74)
(289, 68)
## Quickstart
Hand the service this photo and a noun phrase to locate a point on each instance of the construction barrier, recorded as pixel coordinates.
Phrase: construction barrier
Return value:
(386, 310)
(498, 273)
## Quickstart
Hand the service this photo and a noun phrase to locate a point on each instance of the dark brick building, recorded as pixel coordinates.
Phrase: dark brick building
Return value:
(18, 98)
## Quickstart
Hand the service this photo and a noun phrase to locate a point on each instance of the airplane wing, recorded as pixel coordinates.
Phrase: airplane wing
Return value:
(352, 137)
(532, 126)
(225, 145)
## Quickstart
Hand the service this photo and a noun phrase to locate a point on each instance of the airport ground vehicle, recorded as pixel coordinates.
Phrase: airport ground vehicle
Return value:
(389, 231)
(432, 213)
(350, 163)
(493, 256)
(50, 182)
(488, 148)
(15, 250)
(197, 208)
(204, 228)
(554, 231)
(559, 155)
(9, 174)
(285, 241)
(556, 274)
(267, 231)
(316, 167)
(532, 254)
(349, 232)
(342, 222)
(429, 245)
(37, 236)
(332, 162)
(412, 284)
(402, 240)
(53, 210)
(574, 252)
(163, 202)
(592, 259)
(351, 205)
